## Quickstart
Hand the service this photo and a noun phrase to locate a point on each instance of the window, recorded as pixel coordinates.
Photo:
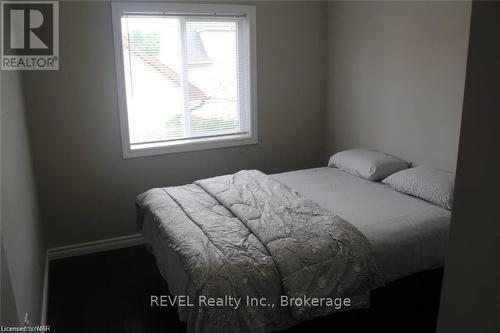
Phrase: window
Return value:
(186, 76)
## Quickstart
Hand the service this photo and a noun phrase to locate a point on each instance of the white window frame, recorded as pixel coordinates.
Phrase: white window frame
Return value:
(250, 57)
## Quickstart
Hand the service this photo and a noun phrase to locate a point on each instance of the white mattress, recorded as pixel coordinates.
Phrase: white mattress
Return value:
(407, 235)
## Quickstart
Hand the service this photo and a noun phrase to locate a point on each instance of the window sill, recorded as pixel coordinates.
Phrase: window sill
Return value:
(190, 145)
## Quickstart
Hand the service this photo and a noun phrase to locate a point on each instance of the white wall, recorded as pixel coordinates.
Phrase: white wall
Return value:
(23, 248)
(396, 73)
(394, 83)
(87, 189)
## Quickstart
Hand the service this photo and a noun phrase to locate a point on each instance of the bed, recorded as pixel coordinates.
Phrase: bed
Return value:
(407, 235)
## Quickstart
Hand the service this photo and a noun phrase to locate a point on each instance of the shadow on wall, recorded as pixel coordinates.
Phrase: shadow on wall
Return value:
(470, 297)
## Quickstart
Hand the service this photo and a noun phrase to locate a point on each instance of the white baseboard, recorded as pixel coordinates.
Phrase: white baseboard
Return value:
(93, 247)
(45, 293)
(77, 250)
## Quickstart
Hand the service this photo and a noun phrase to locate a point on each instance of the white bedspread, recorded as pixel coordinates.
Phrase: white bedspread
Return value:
(408, 235)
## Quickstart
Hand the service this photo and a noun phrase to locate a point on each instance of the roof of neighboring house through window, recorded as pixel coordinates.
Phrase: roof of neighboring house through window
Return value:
(195, 93)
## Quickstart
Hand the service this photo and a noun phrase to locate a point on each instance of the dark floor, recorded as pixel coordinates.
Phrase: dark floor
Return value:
(110, 292)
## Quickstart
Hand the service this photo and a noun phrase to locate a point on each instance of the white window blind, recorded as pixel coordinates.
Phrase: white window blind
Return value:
(187, 78)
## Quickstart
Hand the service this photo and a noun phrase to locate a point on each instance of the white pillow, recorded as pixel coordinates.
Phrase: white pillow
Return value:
(366, 164)
(425, 183)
